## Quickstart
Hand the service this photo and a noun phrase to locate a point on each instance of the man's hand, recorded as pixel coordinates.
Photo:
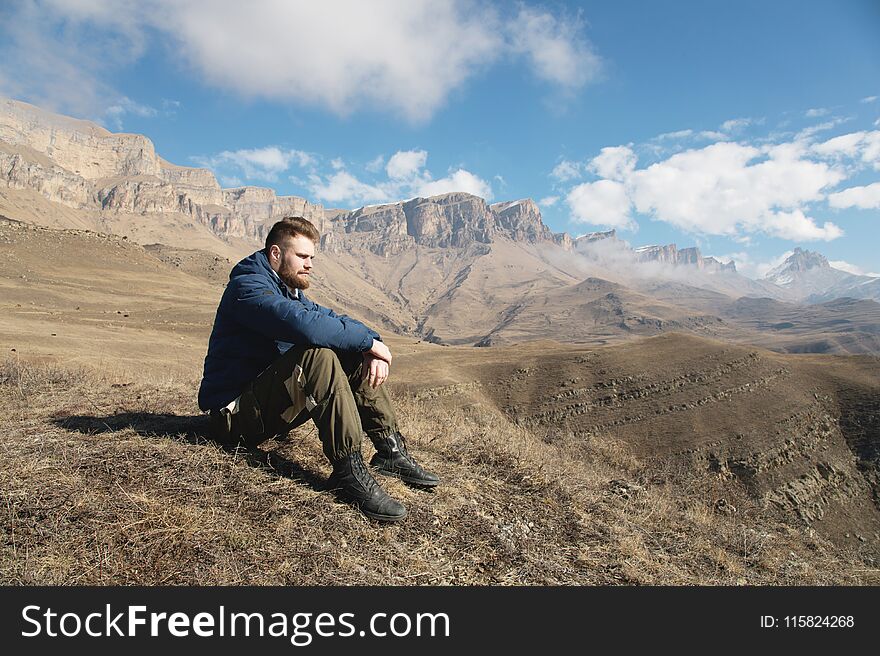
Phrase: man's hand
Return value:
(375, 371)
(380, 351)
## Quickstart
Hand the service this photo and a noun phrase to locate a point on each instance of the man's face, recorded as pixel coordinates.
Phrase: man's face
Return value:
(293, 261)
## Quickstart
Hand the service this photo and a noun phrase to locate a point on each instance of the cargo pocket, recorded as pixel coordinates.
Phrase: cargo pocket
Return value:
(250, 418)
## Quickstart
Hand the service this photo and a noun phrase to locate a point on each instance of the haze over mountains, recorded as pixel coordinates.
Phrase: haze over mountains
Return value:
(450, 269)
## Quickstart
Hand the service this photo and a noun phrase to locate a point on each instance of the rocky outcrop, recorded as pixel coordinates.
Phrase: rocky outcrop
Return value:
(199, 185)
(664, 254)
(253, 210)
(563, 240)
(83, 148)
(455, 219)
(591, 237)
(84, 166)
(809, 276)
(20, 169)
(716, 266)
(797, 264)
(672, 255)
(521, 221)
(449, 220)
(381, 228)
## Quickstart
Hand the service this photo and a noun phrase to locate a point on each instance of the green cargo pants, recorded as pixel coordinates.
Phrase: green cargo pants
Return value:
(309, 382)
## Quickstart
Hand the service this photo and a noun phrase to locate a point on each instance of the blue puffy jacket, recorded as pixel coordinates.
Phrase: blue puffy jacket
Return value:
(259, 318)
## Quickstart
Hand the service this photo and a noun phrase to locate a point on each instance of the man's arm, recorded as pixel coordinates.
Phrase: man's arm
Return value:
(330, 313)
(258, 307)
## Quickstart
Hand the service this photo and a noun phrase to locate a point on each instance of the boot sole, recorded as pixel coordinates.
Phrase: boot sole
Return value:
(417, 482)
(383, 518)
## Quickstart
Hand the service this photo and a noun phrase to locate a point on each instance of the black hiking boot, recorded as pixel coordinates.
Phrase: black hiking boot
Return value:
(392, 459)
(353, 481)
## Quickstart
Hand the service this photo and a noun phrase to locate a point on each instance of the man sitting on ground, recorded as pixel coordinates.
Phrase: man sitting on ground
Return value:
(274, 354)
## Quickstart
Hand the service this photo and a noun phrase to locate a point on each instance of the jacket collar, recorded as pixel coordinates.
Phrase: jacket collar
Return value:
(258, 263)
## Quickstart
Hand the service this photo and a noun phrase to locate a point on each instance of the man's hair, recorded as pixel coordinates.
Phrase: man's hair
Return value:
(291, 226)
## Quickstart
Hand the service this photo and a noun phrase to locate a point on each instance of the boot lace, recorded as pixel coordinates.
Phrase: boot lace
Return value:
(363, 475)
(401, 445)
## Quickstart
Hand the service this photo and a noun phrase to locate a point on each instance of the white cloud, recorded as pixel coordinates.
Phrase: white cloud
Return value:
(406, 164)
(548, 201)
(808, 132)
(679, 134)
(846, 145)
(337, 164)
(690, 135)
(603, 203)
(566, 170)
(407, 177)
(555, 49)
(126, 105)
(614, 163)
(852, 268)
(728, 188)
(867, 197)
(376, 164)
(256, 163)
(230, 181)
(795, 226)
(460, 180)
(404, 58)
(735, 125)
(342, 186)
(869, 99)
(818, 111)
(864, 146)
(743, 260)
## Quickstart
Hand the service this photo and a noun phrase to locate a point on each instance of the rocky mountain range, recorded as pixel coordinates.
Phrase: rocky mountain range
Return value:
(450, 269)
(670, 254)
(84, 167)
(811, 278)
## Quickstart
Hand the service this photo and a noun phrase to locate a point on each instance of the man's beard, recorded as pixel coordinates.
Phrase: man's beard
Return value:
(291, 279)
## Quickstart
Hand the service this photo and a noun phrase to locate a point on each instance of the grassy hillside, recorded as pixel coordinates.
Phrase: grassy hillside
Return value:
(110, 480)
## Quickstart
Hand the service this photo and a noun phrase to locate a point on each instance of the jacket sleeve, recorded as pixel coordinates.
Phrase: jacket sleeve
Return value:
(330, 313)
(258, 307)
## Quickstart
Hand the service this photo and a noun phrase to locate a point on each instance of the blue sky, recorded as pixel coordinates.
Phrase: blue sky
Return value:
(745, 128)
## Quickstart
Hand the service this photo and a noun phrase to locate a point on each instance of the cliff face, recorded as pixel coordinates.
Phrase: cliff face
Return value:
(253, 210)
(449, 220)
(671, 254)
(664, 254)
(23, 168)
(521, 221)
(83, 166)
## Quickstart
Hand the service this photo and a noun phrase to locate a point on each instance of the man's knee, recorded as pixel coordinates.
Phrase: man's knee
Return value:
(322, 360)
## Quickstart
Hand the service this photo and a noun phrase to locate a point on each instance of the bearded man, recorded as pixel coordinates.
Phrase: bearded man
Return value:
(275, 358)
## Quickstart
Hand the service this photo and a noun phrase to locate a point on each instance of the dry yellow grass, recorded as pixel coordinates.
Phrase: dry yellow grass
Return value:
(106, 480)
